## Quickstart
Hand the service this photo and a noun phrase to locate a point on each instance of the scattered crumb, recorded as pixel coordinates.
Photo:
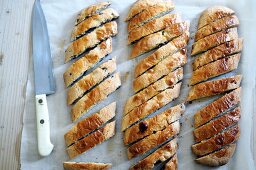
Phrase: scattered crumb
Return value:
(17, 33)
(7, 11)
(1, 58)
(125, 76)
(2, 127)
(62, 43)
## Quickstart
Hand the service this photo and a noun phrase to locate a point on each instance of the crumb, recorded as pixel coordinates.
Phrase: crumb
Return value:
(1, 58)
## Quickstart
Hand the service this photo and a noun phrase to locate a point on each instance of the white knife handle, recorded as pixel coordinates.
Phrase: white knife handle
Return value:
(45, 146)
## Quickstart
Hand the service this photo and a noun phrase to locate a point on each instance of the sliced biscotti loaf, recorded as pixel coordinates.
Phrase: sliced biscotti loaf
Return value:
(86, 166)
(172, 164)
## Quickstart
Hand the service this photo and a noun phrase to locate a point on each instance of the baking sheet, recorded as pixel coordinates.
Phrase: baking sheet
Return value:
(60, 16)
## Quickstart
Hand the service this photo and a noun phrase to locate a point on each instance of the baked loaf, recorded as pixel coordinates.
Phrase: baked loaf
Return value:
(90, 124)
(97, 94)
(90, 40)
(90, 80)
(85, 166)
(91, 140)
(91, 10)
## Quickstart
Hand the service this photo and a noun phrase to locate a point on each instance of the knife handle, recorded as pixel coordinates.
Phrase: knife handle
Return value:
(45, 146)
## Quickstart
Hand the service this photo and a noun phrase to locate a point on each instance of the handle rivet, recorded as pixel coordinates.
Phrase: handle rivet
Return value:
(42, 121)
(40, 101)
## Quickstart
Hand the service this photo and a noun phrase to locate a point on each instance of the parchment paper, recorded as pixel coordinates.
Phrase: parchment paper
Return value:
(60, 16)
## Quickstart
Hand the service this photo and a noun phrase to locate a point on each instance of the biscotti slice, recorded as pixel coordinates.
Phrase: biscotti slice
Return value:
(91, 10)
(166, 82)
(86, 166)
(154, 124)
(157, 39)
(160, 155)
(97, 94)
(152, 27)
(139, 6)
(216, 126)
(172, 164)
(161, 53)
(211, 88)
(218, 158)
(153, 140)
(215, 69)
(90, 80)
(219, 25)
(214, 40)
(217, 107)
(151, 106)
(94, 21)
(90, 40)
(91, 140)
(221, 51)
(216, 142)
(150, 13)
(212, 14)
(164, 67)
(90, 123)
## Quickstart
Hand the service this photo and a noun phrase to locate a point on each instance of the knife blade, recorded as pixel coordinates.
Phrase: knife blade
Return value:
(44, 79)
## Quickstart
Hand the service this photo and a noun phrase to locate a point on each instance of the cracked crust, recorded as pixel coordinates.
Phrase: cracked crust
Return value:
(96, 95)
(216, 142)
(153, 26)
(86, 166)
(153, 140)
(90, 40)
(160, 155)
(154, 40)
(151, 106)
(89, 60)
(166, 82)
(172, 164)
(214, 40)
(218, 158)
(214, 87)
(91, 140)
(90, 123)
(216, 126)
(217, 107)
(154, 124)
(94, 21)
(90, 80)
(150, 13)
(215, 69)
(212, 14)
(163, 68)
(91, 10)
(161, 53)
(221, 51)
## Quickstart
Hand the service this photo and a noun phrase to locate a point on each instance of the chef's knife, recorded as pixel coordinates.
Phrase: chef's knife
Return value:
(44, 80)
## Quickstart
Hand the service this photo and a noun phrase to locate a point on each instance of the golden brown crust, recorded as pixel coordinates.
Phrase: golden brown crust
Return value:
(164, 67)
(150, 13)
(93, 22)
(150, 106)
(97, 94)
(172, 164)
(216, 142)
(221, 51)
(217, 107)
(91, 140)
(90, 80)
(211, 88)
(162, 154)
(91, 10)
(154, 124)
(214, 40)
(85, 166)
(212, 14)
(153, 26)
(90, 123)
(89, 60)
(216, 126)
(219, 25)
(215, 69)
(166, 82)
(153, 140)
(152, 41)
(90, 40)
(218, 158)
(161, 53)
